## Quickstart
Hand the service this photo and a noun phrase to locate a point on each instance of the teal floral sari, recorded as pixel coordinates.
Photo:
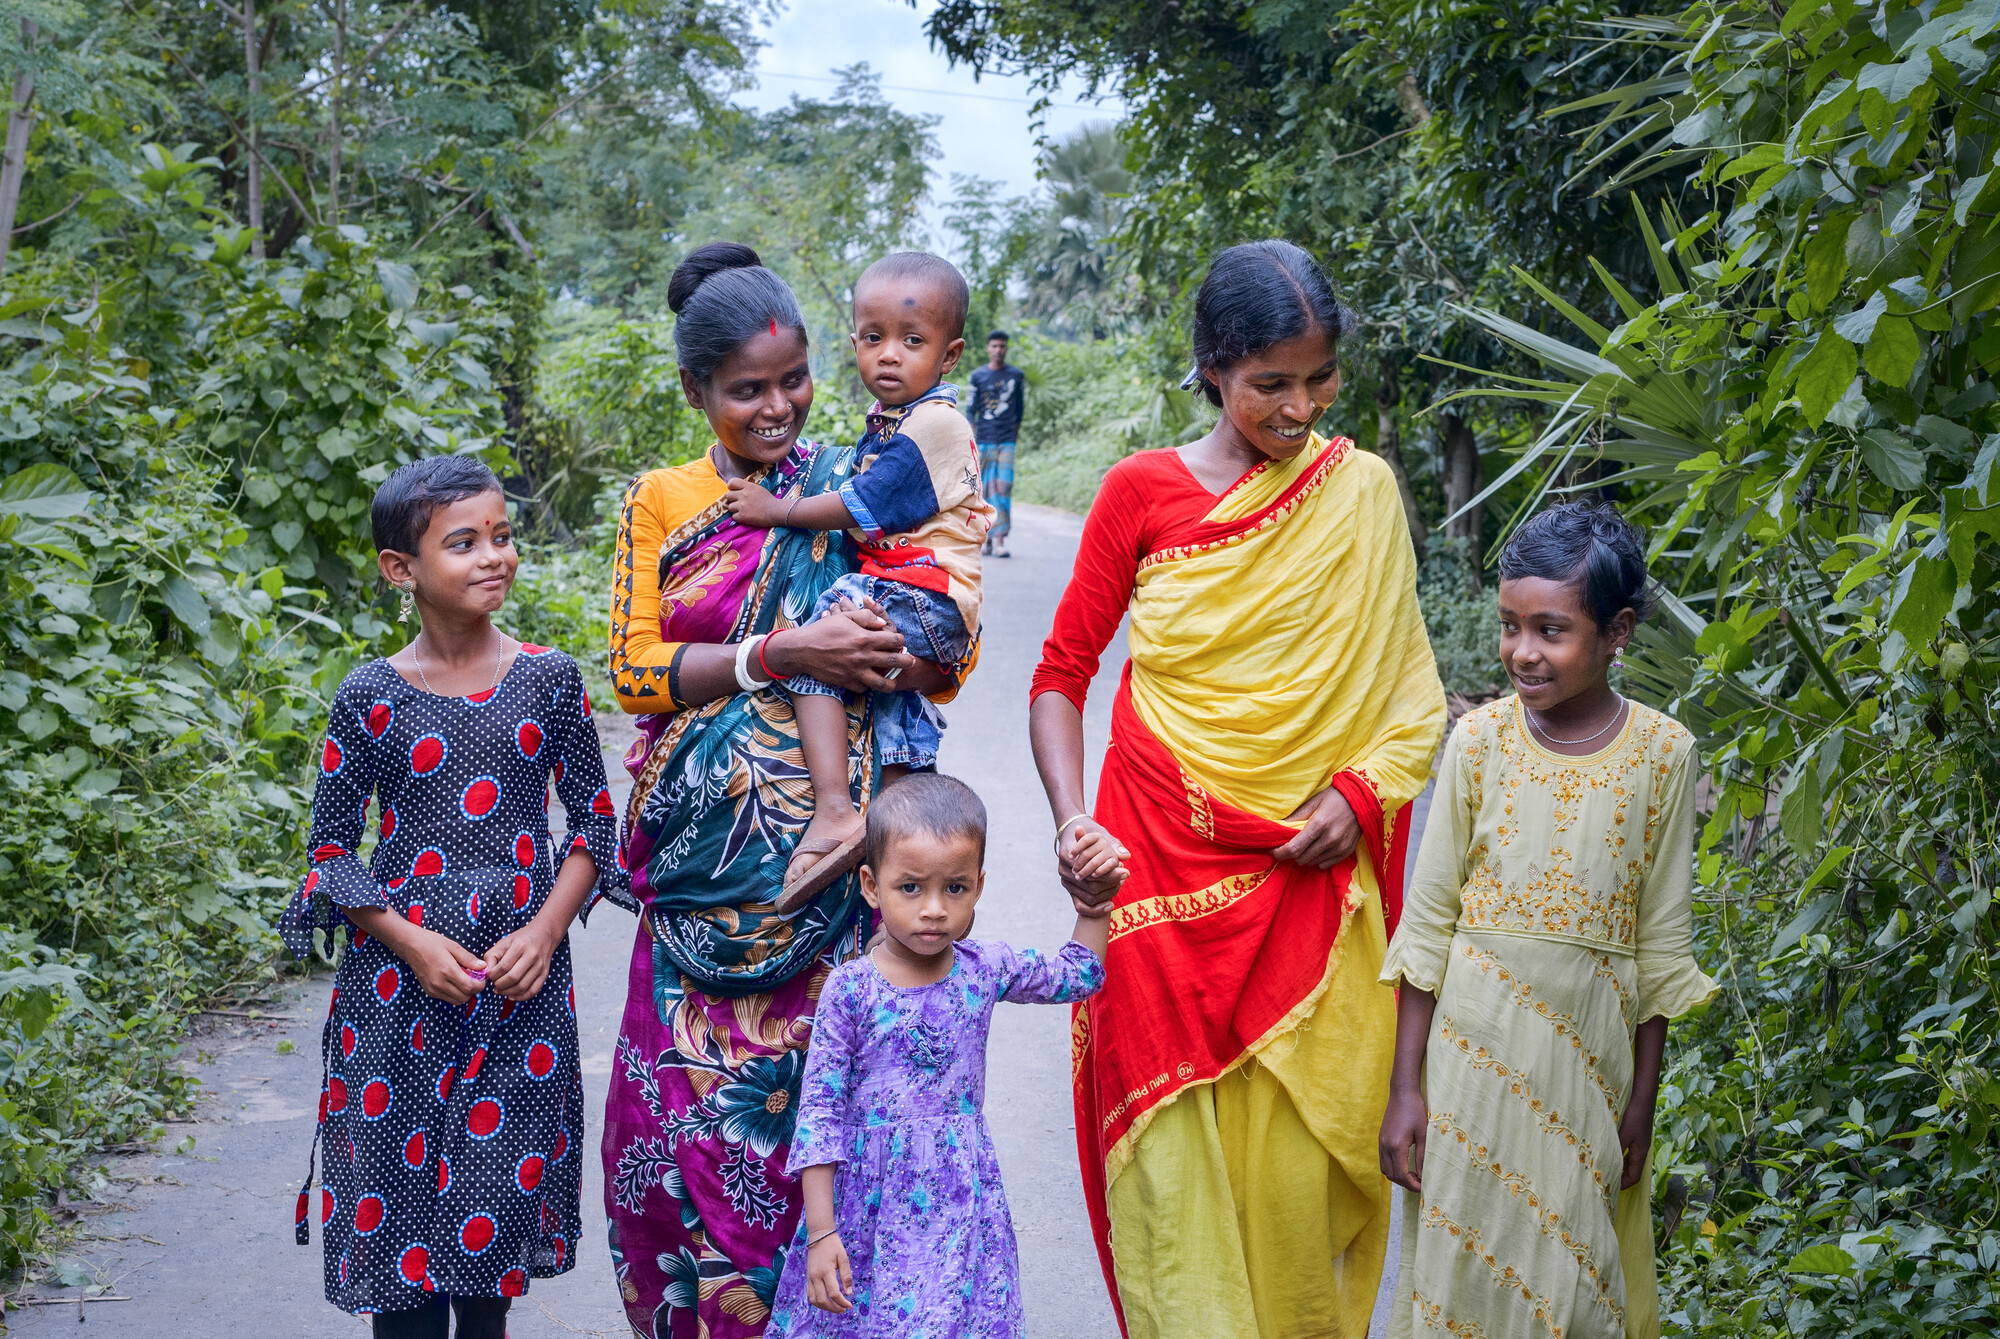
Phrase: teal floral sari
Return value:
(719, 1007)
(726, 794)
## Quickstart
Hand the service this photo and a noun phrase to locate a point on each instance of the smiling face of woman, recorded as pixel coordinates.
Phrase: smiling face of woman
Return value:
(757, 398)
(1272, 398)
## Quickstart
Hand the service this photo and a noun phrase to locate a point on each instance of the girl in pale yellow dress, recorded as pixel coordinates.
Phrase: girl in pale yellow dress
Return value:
(1545, 941)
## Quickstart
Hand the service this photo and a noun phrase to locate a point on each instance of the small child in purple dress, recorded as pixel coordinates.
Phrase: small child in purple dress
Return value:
(906, 1230)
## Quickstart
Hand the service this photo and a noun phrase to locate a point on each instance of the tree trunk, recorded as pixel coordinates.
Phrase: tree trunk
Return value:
(1411, 99)
(1389, 446)
(1462, 482)
(253, 188)
(14, 166)
(333, 105)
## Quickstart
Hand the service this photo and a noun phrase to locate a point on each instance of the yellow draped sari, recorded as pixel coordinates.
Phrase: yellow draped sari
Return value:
(1231, 1079)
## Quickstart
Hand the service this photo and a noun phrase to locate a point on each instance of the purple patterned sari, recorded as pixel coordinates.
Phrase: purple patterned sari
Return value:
(711, 1049)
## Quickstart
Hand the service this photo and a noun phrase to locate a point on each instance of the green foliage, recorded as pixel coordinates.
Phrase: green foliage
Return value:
(1091, 403)
(1462, 617)
(1807, 417)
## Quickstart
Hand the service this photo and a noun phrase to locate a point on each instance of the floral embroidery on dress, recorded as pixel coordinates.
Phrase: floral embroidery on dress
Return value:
(1551, 1222)
(1507, 1276)
(1565, 893)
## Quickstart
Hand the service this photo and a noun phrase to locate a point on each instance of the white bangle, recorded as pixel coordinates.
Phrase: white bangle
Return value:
(744, 650)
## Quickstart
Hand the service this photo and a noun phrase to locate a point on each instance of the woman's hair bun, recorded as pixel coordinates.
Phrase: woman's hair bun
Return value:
(702, 263)
(722, 297)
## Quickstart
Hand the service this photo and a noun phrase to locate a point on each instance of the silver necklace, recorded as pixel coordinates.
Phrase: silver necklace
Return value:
(425, 680)
(1543, 730)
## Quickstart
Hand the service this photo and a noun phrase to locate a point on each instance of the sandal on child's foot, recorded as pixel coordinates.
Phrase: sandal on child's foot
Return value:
(826, 860)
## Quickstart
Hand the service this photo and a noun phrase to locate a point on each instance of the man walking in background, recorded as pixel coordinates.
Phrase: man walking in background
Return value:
(999, 394)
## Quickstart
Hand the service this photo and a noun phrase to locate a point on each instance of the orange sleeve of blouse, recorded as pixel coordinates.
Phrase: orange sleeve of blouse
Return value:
(656, 504)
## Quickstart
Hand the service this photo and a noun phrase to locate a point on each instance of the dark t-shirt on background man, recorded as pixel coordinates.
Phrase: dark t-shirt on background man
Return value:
(997, 402)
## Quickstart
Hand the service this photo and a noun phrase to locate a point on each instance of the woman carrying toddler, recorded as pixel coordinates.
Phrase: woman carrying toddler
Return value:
(705, 613)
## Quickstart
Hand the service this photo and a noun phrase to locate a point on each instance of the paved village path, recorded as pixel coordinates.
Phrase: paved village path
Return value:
(201, 1241)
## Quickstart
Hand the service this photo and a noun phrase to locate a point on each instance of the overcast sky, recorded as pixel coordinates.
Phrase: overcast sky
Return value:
(985, 128)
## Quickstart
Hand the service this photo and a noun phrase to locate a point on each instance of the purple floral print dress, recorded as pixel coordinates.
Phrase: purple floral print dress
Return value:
(894, 1092)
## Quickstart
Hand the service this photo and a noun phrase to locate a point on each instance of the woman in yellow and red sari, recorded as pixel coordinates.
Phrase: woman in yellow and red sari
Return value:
(1280, 711)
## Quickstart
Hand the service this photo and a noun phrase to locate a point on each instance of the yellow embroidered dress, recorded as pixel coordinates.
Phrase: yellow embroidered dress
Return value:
(1552, 913)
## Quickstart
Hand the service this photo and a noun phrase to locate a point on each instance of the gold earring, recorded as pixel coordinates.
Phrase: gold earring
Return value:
(409, 589)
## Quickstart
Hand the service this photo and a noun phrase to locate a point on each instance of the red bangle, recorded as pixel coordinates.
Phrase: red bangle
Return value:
(760, 657)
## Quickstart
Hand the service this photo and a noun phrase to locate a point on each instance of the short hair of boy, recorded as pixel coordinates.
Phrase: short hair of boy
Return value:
(933, 272)
(930, 802)
(1587, 545)
(1000, 335)
(407, 499)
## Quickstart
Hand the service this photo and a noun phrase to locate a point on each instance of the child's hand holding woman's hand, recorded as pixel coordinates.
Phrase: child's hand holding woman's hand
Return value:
(1091, 862)
(828, 1276)
(753, 504)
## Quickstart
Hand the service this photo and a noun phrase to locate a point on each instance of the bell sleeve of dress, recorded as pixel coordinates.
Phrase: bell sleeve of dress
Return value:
(586, 797)
(1431, 904)
(826, 1128)
(1027, 977)
(642, 662)
(1671, 982)
(338, 878)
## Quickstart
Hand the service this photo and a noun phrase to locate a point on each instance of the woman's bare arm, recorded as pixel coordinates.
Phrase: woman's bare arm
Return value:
(1055, 732)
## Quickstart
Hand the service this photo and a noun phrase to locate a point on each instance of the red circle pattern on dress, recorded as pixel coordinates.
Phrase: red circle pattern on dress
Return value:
(528, 1173)
(485, 1118)
(480, 799)
(458, 790)
(428, 754)
(476, 1234)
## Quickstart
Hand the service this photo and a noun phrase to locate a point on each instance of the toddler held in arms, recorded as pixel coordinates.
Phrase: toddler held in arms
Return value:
(906, 1230)
(915, 511)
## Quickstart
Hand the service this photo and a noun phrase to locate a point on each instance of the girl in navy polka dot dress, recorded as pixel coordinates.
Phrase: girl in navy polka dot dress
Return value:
(452, 1112)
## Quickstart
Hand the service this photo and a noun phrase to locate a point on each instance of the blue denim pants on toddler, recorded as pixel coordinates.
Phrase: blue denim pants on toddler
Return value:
(908, 728)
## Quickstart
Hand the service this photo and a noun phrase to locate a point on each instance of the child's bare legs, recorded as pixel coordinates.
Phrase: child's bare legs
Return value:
(822, 722)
